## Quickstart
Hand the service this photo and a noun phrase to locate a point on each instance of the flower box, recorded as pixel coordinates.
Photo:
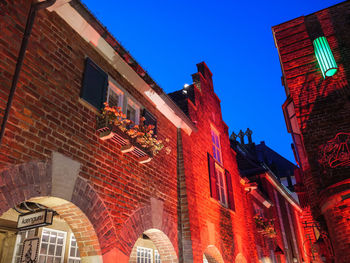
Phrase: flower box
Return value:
(108, 131)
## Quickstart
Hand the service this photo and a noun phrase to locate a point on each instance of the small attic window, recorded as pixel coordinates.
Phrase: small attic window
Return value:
(325, 57)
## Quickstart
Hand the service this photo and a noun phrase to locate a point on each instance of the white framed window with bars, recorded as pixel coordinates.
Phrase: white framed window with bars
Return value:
(21, 236)
(157, 257)
(52, 246)
(115, 96)
(74, 254)
(215, 137)
(144, 255)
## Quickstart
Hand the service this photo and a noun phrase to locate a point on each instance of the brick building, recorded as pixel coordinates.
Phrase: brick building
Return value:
(106, 187)
(115, 198)
(266, 176)
(314, 56)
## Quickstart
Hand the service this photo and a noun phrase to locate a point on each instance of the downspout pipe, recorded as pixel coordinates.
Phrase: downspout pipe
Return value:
(34, 8)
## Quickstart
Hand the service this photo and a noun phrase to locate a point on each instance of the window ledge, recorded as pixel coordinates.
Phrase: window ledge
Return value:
(222, 205)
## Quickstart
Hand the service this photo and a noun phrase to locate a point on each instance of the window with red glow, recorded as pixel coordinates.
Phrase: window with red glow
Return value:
(216, 145)
(221, 185)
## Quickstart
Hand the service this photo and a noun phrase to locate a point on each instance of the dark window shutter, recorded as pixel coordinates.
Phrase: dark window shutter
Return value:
(212, 177)
(95, 82)
(150, 120)
(230, 199)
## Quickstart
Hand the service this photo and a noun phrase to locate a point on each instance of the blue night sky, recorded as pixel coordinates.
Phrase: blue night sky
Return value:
(234, 38)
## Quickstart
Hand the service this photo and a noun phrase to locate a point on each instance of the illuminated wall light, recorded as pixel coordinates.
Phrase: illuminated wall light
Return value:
(325, 57)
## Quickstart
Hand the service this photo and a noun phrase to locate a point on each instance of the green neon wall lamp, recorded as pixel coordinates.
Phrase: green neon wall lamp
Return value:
(325, 57)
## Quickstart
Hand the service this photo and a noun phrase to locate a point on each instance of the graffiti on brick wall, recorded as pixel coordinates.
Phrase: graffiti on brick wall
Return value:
(336, 152)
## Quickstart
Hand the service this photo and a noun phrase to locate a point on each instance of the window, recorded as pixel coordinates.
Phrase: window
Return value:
(115, 95)
(133, 111)
(220, 183)
(216, 145)
(157, 257)
(144, 255)
(52, 246)
(21, 236)
(98, 88)
(74, 254)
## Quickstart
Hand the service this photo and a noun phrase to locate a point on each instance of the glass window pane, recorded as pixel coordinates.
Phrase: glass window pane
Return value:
(42, 259)
(58, 250)
(45, 237)
(53, 237)
(49, 260)
(43, 249)
(51, 249)
(72, 252)
(60, 240)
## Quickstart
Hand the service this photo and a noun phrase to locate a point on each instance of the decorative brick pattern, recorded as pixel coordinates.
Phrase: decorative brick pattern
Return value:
(23, 182)
(32, 181)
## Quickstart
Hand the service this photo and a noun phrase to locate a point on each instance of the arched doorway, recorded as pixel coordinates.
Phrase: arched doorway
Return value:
(70, 238)
(212, 255)
(57, 184)
(153, 246)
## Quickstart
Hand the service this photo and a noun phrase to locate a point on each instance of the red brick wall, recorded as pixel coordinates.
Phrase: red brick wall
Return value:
(47, 116)
(322, 105)
(212, 224)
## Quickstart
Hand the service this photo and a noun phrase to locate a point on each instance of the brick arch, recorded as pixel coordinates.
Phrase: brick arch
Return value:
(160, 227)
(85, 212)
(163, 245)
(84, 232)
(213, 254)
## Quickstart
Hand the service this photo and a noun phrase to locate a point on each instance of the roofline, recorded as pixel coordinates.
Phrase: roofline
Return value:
(120, 59)
(282, 190)
(308, 14)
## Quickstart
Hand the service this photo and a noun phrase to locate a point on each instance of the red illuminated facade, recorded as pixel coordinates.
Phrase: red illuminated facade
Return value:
(317, 112)
(122, 200)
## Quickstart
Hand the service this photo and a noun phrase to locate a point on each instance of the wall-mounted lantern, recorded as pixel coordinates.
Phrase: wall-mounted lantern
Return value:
(325, 57)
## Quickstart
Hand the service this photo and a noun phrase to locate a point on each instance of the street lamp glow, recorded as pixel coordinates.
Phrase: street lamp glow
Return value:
(325, 57)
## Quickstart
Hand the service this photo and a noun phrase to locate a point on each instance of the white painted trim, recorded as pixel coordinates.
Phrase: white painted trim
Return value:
(48, 243)
(113, 86)
(282, 191)
(90, 35)
(70, 246)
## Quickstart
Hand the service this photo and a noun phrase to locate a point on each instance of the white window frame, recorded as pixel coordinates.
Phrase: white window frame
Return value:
(215, 136)
(70, 246)
(63, 246)
(144, 259)
(17, 244)
(136, 107)
(124, 100)
(114, 87)
(157, 257)
(220, 172)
